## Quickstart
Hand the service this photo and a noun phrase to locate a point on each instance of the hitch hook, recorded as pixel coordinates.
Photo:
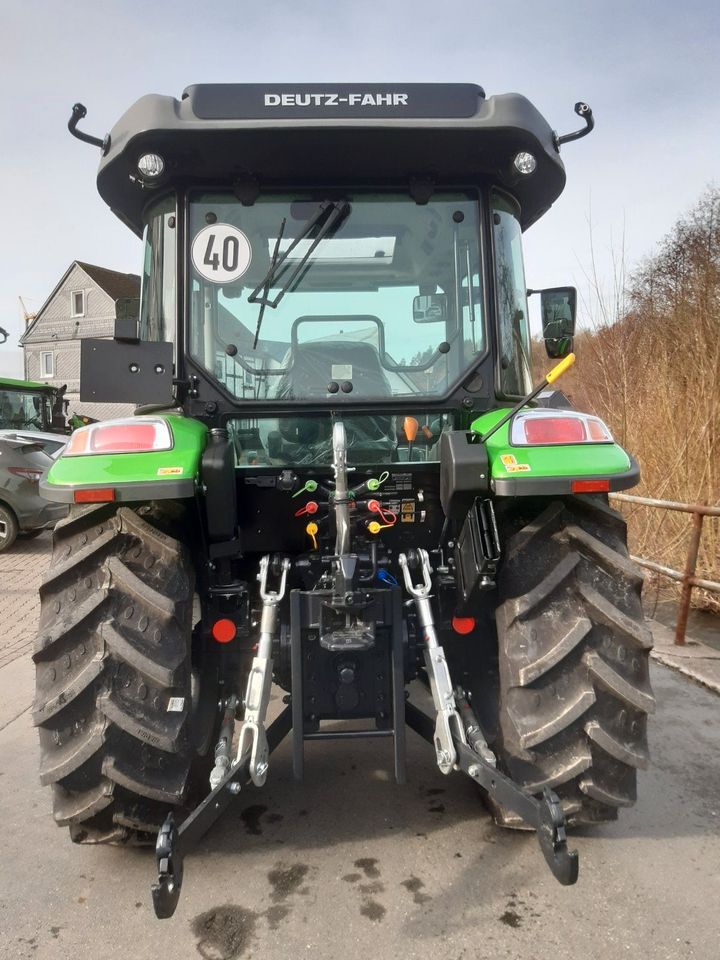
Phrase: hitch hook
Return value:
(552, 836)
(166, 892)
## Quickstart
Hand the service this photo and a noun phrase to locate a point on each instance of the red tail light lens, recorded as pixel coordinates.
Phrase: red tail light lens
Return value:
(555, 430)
(134, 435)
(118, 437)
(548, 427)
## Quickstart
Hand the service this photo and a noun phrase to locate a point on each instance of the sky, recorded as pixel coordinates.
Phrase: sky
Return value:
(649, 70)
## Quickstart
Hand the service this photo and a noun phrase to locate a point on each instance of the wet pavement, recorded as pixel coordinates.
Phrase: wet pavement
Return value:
(348, 864)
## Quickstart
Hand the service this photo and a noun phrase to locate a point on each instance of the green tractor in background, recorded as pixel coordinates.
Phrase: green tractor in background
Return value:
(28, 405)
(339, 479)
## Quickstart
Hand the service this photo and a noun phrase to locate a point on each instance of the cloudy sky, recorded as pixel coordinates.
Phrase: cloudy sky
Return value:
(650, 71)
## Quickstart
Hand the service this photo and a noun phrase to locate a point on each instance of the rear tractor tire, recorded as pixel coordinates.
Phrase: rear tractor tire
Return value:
(114, 686)
(573, 652)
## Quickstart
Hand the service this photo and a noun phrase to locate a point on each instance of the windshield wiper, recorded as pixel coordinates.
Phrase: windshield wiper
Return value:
(328, 216)
(266, 283)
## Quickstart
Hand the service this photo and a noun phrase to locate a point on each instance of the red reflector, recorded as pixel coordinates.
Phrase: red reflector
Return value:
(104, 495)
(463, 625)
(224, 631)
(123, 436)
(590, 486)
(554, 430)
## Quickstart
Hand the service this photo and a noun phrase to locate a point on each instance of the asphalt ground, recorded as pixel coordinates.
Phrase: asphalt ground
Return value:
(350, 865)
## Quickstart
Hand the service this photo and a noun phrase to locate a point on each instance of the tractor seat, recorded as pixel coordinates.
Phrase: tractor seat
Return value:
(314, 366)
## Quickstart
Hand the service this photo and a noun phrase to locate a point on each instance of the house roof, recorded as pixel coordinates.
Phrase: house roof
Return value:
(117, 285)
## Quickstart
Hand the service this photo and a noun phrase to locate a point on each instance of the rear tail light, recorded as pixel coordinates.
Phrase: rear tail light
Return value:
(120, 436)
(26, 473)
(548, 427)
(555, 430)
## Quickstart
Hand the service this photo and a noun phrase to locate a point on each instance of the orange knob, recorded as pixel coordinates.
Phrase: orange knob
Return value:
(410, 428)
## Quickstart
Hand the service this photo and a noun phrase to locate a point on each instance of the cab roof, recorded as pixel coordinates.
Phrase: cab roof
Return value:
(296, 135)
(9, 383)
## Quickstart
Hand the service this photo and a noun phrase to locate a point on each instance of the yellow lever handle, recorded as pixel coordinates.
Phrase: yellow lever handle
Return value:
(561, 367)
(311, 530)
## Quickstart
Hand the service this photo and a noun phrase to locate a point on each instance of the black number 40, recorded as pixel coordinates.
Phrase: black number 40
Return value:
(230, 254)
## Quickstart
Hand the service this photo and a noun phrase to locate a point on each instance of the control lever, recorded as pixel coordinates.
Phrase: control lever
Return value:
(410, 429)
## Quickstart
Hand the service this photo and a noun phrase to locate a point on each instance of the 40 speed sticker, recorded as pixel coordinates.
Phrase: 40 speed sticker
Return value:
(221, 253)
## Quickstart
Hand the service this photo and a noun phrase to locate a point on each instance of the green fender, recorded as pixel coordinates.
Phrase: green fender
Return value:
(159, 475)
(550, 470)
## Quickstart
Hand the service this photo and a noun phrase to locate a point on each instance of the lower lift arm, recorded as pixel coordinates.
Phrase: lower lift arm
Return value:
(449, 737)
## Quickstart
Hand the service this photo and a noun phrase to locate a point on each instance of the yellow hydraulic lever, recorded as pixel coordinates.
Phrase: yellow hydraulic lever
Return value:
(557, 371)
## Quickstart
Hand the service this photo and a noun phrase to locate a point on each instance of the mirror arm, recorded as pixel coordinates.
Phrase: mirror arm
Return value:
(582, 110)
(79, 112)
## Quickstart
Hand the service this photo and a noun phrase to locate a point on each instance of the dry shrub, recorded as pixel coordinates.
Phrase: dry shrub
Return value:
(650, 367)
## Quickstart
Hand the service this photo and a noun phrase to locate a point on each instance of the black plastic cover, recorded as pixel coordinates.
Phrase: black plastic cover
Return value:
(463, 471)
(218, 475)
(115, 371)
(220, 133)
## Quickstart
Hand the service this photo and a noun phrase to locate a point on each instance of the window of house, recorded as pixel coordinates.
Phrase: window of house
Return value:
(47, 364)
(77, 303)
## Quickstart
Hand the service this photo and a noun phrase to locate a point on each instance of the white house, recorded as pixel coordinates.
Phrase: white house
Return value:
(83, 304)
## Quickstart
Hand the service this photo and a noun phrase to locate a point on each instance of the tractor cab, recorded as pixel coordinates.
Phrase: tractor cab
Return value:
(341, 250)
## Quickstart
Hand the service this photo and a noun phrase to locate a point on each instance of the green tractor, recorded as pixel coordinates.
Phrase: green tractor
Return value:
(339, 480)
(30, 405)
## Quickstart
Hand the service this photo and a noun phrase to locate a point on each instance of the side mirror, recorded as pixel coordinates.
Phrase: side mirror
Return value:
(127, 319)
(557, 308)
(430, 309)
